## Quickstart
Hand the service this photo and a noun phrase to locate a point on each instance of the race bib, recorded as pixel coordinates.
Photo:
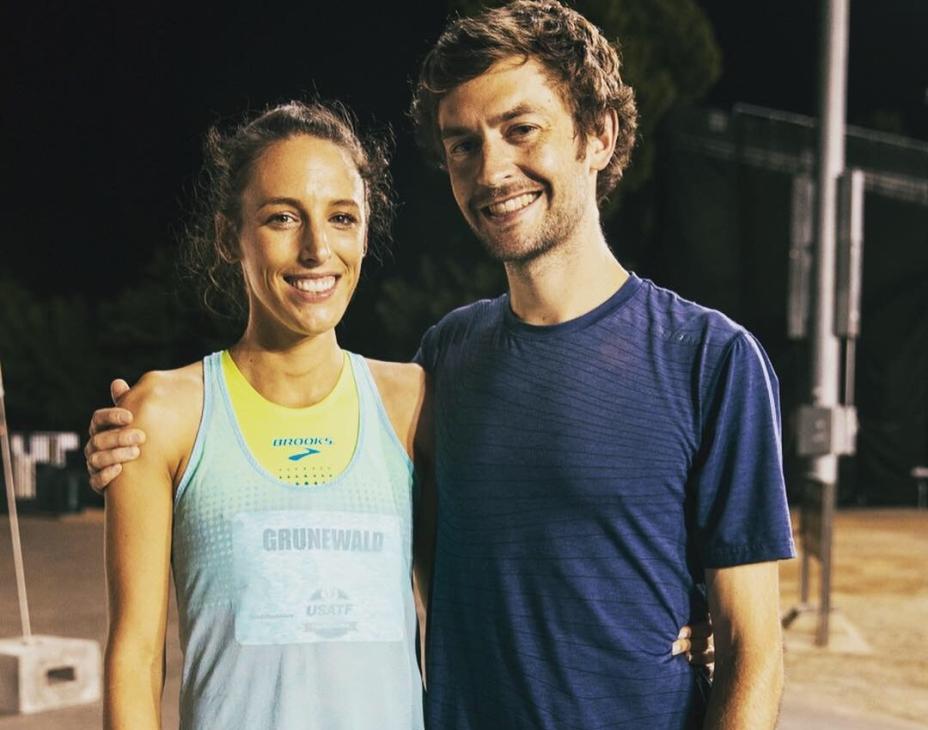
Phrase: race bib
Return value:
(306, 576)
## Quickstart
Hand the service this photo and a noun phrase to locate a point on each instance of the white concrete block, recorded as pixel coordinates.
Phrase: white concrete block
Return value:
(48, 672)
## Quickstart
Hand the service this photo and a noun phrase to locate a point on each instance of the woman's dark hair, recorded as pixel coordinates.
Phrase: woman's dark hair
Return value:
(581, 63)
(228, 160)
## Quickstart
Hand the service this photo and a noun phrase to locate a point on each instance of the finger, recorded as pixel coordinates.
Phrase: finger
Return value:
(106, 440)
(106, 418)
(118, 388)
(102, 459)
(101, 479)
(685, 633)
(680, 646)
(703, 659)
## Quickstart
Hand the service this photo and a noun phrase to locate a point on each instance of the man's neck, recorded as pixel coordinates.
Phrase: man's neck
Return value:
(566, 283)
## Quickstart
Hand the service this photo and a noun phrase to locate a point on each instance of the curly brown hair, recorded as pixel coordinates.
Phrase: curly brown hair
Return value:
(581, 63)
(229, 156)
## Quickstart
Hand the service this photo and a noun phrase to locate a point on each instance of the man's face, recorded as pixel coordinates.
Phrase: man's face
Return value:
(512, 155)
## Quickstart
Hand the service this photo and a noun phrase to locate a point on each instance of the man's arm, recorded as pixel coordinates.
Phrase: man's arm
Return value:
(745, 605)
(424, 521)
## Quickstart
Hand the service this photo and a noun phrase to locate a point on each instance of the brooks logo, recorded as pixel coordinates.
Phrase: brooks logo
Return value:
(307, 442)
(303, 454)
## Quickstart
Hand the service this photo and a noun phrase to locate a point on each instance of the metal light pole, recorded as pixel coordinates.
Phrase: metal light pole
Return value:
(826, 348)
(14, 521)
(828, 424)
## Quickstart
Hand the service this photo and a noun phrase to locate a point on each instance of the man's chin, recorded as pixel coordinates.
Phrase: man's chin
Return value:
(513, 250)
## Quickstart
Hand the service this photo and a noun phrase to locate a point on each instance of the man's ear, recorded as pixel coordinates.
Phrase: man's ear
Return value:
(600, 145)
(226, 240)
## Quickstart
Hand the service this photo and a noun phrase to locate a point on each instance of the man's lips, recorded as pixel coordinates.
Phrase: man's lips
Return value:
(508, 205)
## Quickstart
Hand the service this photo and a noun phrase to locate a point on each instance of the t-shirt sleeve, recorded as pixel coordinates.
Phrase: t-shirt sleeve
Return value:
(741, 512)
(427, 354)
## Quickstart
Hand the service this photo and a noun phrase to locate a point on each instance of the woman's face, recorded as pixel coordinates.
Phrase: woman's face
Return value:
(302, 237)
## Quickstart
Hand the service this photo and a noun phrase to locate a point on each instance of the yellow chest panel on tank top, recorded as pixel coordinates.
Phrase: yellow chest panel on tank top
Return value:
(301, 446)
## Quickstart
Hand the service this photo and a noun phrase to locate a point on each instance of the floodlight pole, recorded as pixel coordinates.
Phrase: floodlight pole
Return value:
(826, 347)
(14, 520)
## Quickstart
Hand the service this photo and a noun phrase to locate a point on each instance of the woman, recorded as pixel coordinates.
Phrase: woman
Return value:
(293, 578)
(278, 478)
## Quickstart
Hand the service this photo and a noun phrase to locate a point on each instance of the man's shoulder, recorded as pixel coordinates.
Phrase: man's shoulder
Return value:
(460, 324)
(681, 321)
(469, 315)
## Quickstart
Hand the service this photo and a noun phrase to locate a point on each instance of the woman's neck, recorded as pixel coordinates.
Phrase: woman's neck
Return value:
(296, 374)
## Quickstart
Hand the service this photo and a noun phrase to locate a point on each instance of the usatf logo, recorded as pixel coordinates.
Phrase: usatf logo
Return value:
(329, 611)
(306, 442)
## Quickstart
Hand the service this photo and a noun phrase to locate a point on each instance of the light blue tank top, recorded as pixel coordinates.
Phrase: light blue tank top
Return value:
(295, 603)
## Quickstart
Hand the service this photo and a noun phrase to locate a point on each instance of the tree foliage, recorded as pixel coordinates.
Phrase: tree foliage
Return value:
(48, 356)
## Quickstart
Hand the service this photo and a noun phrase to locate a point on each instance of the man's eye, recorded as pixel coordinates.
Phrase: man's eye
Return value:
(462, 148)
(523, 130)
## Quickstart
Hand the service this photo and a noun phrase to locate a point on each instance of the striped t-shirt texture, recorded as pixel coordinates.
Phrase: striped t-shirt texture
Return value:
(588, 472)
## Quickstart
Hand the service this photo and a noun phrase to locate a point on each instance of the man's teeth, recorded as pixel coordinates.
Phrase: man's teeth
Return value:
(513, 204)
(314, 286)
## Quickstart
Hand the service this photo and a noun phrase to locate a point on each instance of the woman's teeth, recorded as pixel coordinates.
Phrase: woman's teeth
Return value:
(314, 286)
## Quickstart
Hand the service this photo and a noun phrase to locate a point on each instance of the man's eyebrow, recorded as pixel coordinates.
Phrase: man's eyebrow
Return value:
(517, 111)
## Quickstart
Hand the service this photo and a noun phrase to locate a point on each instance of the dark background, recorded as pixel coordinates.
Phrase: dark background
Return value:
(105, 105)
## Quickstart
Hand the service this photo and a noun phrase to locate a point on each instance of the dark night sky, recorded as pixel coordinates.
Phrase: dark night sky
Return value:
(105, 104)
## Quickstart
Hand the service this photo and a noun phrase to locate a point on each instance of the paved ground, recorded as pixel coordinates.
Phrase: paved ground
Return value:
(881, 588)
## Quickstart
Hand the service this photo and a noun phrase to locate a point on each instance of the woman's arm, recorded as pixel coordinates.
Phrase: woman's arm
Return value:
(405, 391)
(139, 508)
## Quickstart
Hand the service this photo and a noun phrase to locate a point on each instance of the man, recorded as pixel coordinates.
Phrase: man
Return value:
(607, 454)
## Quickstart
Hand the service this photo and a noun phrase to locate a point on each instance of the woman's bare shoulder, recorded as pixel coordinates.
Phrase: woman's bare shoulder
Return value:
(402, 389)
(398, 379)
(167, 405)
(175, 390)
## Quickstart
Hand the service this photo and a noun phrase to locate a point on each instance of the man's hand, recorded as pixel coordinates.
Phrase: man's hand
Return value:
(697, 643)
(111, 442)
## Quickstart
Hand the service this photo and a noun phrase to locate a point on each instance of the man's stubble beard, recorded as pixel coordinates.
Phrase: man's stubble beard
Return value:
(558, 226)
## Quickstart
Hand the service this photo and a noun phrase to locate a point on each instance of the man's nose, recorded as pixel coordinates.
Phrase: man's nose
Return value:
(497, 163)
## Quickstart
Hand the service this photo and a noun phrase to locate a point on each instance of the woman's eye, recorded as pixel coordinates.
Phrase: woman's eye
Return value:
(283, 218)
(344, 219)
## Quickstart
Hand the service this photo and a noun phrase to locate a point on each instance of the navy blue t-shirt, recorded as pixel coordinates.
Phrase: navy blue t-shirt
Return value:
(588, 472)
